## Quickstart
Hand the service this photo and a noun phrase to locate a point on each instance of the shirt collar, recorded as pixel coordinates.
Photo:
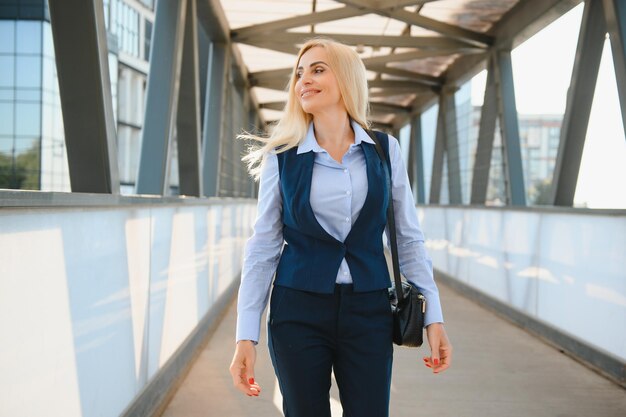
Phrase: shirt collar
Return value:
(310, 143)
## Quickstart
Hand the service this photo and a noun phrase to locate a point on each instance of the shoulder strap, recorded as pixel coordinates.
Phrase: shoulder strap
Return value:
(391, 222)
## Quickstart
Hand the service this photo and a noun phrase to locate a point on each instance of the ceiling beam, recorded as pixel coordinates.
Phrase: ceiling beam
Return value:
(422, 42)
(410, 75)
(415, 19)
(398, 84)
(371, 62)
(389, 108)
(296, 21)
(446, 29)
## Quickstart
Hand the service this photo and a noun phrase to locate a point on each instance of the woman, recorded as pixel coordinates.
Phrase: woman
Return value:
(323, 193)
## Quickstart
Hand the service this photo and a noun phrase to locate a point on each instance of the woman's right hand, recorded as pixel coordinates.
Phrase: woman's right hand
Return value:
(242, 368)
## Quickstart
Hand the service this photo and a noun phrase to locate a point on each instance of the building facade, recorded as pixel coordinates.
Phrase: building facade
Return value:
(32, 145)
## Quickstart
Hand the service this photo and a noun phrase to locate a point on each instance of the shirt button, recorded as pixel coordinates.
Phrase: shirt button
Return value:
(348, 192)
(345, 170)
(347, 219)
(345, 272)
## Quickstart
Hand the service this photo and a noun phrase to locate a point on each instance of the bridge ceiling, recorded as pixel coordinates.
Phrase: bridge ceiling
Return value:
(407, 46)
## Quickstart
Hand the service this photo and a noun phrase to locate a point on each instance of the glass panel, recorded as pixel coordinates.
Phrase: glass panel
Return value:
(48, 42)
(27, 163)
(49, 74)
(28, 37)
(147, 39)
(23, 94)
(496, 191)
(468, 111)
(47, 113)
(28, 119)
(7, 70)
(6, 162)
(603, 167)
(6, 147)
(7, 94)
(7, 34)
(6, 118)
(28, 71)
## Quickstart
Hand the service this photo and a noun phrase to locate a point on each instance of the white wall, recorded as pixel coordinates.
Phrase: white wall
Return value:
(567, 270)
(94, 301)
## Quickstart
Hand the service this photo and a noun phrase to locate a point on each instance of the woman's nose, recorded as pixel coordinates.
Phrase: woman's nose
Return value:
(305, 79)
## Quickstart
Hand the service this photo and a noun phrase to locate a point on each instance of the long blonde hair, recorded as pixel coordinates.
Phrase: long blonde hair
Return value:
(292, 127)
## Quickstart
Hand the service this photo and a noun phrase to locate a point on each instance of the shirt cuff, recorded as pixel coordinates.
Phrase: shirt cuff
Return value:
(248, 326)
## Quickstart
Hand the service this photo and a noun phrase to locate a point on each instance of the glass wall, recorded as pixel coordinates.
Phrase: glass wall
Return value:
(20, 103)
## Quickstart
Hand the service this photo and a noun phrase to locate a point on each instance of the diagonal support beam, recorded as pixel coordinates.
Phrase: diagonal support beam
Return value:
(615, 15)
(214, 112)
(413, 76)
(578, 106)
(452, 149)
(516, 194)
(486, 136)
(450, 31)
(417, 152)
(82, 64)
(161, 97)
(188, 118)
(440, 150)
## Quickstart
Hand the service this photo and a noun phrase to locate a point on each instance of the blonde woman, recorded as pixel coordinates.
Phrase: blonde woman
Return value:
(323, 194)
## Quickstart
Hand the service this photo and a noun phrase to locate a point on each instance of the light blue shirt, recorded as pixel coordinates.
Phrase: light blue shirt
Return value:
(338, 191)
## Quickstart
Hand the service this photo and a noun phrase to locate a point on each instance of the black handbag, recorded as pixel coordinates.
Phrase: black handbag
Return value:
(409, 305)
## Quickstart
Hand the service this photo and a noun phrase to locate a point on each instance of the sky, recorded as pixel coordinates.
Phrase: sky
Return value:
(542, 68)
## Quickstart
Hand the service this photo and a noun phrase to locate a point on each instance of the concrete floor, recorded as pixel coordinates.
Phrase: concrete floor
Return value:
(498, 370)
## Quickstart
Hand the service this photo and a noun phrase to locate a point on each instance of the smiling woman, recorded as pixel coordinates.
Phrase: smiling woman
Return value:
(324, 193)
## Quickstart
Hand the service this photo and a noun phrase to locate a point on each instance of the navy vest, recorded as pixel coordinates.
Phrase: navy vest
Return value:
(311, 257)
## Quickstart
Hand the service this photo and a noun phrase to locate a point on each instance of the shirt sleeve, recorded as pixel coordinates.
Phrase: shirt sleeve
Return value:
(262, 252)
(415, 263)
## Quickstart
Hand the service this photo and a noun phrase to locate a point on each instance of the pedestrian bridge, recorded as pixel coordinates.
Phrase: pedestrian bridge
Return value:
(117, 296)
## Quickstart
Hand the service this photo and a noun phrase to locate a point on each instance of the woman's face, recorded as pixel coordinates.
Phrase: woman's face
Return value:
(316, 85)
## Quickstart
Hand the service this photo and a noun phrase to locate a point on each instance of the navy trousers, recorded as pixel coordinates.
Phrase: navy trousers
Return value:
(310, 334)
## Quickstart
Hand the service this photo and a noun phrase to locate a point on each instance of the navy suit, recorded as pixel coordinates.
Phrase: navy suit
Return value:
(316, 325)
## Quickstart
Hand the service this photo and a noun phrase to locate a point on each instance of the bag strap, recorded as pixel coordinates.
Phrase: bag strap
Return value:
(391, 222)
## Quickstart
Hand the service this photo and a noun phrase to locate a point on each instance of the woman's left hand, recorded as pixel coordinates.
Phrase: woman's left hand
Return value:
(440, 348)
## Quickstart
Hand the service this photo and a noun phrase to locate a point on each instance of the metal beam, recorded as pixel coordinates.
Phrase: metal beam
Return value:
(161, 97)
(284, 73)
(412, 76)
(389, 108)
(417, 150)
(440, 148)
(188, 119)
(615, 15)
(213, 21)
(296, 21)
(578, 106)
(452, 150)
(82, 63)
(516, 194)
(399, 85)
(523, 21)
(448, 30)
(422, 42)
(486, 135)
(212, 129)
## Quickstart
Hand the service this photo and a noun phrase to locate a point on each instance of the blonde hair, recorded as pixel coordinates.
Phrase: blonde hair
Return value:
(292, 127)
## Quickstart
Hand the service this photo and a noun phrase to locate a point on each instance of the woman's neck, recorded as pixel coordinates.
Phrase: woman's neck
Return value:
(332, 131)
